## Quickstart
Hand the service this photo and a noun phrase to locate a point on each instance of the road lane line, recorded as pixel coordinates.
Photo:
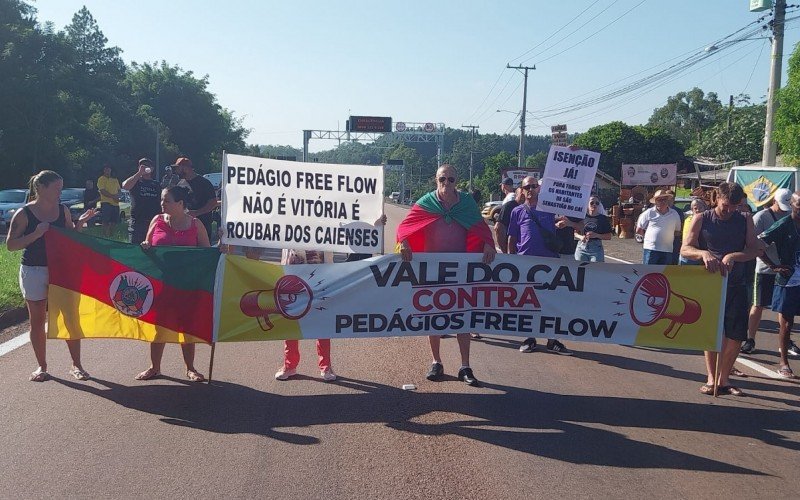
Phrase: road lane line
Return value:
(18, 341)
(618, 260)
(759, 368)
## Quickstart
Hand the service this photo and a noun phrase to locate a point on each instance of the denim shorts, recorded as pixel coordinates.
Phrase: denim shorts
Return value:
(592, 251)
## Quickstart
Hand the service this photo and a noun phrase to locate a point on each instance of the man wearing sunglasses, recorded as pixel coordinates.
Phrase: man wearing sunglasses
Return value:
(446, 220)
(526, 230)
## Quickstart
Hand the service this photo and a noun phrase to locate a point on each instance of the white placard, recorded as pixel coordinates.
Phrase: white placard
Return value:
(305, 206)
(567, 182)
(649, 175)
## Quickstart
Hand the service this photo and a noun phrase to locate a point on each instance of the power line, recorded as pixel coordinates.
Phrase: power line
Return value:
(559, 30)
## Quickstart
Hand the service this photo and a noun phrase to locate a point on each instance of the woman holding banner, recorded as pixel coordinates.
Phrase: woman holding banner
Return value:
(26, 233)
(174, 227)
(446, 220)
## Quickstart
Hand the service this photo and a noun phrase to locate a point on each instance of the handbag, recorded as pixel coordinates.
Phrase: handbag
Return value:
(551, 240)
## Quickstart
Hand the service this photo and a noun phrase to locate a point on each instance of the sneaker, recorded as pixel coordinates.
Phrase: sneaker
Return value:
(557, 347)
(466, 375)
(436, 371)
(749, 346)
(528, 346)
(285, 373)
(328, 374)
(793, 350)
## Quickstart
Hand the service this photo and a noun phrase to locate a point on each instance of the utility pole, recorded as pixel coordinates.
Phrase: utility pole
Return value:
(521, 159)
(768, 155)
(471, 148)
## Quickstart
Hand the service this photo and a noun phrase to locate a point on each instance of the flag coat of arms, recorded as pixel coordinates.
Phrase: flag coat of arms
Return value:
(163, 294)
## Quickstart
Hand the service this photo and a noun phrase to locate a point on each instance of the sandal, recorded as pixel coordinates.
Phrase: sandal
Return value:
(785, 372)
(148, 374)
(707, 389)
(738, 373)
(732, 390)
(79, 373)
(194, 376)
(39, 375)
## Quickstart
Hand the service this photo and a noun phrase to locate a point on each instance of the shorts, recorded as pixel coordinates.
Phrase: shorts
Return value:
(737, 312)
(762, 290)
(655, 257)
(33, 281)
(786, 300)
(109, 214)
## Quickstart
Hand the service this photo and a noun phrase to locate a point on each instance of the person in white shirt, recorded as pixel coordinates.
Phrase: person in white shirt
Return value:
(659, 225)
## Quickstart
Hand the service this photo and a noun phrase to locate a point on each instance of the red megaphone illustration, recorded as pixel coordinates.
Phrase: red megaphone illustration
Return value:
(291, 298)
(653, 299)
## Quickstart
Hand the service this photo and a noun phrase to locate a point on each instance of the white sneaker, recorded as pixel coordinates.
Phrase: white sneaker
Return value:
(328, 375)
(285, 373)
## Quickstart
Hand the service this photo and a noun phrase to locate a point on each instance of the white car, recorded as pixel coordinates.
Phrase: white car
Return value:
(11, 200)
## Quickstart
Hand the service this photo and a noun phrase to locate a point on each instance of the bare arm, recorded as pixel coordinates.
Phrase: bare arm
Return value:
(208, 207)
(202, 235)
(501, 236)
(15, 240)
(132, 180)
(512, 245)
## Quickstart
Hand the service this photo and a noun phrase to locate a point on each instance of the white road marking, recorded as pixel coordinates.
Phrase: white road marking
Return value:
(759, 368)
(618, 260)
(18, 341)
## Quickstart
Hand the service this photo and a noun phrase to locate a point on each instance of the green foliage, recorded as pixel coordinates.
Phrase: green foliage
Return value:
(787, 116)
(538, 161)
(741, 138)
(69, 103)
(687, 114)
(619, 143)
(10, 295)
(489, 181)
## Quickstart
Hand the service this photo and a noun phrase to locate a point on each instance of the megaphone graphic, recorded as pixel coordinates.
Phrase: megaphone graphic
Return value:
(652, 300)
(291, 298)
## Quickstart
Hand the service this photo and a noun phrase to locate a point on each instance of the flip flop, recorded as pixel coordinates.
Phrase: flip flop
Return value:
(738, 373)
(194, 376)
(39, 375)
(148, 374)
(732, 390)
(707, 389)
(785, 372)
(79, 374)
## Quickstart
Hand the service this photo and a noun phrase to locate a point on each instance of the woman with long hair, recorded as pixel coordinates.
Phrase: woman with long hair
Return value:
(28, 226)
(174, 227)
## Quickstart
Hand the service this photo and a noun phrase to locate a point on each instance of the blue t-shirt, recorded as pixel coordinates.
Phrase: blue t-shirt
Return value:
(527, 232)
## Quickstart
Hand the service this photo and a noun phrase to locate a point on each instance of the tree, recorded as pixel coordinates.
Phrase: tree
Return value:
(787, 117)
(740, 136)
(687, 114)
(619, 143)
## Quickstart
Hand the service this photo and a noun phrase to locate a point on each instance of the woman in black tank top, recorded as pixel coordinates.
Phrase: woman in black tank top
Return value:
(26, 232)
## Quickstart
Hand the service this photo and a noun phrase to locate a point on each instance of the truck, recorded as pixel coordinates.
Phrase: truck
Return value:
(760, 183)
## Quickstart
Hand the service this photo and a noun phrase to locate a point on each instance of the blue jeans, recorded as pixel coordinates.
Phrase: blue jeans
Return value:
(655, 257)
(590, 252)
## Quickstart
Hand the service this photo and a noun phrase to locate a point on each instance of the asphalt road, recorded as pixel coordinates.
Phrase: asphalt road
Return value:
(609, 422)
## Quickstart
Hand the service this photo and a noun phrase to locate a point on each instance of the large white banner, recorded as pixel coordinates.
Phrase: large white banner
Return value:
(306, 206)
(567, 182)
(649, 175)
(434, 294)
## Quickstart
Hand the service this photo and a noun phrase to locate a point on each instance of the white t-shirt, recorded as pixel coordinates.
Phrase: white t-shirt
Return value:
(763, 220)
(509, 197)
(659, 229)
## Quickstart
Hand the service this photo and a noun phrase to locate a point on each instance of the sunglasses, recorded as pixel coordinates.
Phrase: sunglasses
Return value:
(530, 186)
(593, 203)
(451, 180)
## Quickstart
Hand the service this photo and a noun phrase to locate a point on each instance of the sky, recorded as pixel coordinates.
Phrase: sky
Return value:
(283, 67)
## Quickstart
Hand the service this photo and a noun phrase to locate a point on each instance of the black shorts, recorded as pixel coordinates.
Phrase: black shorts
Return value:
(786, 300)
(762, 290)
(736, 313)
(109, 213)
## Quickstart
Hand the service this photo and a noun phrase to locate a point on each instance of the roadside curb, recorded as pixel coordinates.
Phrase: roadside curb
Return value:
(13, 316)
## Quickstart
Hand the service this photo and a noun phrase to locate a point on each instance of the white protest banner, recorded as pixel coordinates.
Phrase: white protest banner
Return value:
(567, 182)
(517, 175)
(305, 206)
(649, 175)
(661, 306)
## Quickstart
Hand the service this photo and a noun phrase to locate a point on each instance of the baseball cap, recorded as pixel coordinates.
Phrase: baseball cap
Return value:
(783, 197)
(183, 161)
(508, 181)
(145, 161)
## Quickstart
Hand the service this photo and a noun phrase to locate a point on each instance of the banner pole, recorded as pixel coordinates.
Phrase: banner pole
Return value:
(211, 362)
(716, 375)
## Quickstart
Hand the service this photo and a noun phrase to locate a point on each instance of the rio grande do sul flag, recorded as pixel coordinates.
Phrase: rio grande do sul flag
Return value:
(106, 289)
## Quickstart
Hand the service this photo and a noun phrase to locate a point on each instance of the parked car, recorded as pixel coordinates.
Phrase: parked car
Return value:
(216, 179)
(11, 200)
(491, 210)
